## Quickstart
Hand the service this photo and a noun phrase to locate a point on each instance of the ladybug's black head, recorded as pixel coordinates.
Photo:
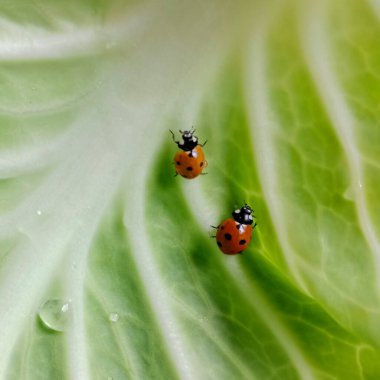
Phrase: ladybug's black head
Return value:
(189, 141)
(243, 215)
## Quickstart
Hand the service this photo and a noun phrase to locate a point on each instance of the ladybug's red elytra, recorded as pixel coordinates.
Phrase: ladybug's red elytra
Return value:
(234, 234)
(190, 161)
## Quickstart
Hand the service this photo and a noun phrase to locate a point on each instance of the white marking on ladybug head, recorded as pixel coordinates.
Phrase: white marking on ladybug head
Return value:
(181, 142)
(194, 153)
(194, 139)
(250, 217)
(237, 211)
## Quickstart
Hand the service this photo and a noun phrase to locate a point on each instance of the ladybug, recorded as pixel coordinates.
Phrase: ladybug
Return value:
(234, 234)
(190, 161)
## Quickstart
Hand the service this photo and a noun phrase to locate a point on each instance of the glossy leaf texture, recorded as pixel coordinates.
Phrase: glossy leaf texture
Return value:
(93, 219)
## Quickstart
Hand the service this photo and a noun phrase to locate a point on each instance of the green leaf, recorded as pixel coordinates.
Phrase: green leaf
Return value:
(107, 267)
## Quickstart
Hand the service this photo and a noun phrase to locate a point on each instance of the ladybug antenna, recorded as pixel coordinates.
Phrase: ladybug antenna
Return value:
(181, 132)
(173, 137)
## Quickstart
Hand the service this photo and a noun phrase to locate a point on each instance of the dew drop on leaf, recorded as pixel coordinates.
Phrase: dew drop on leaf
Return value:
(113, 317)
(349, 194)
(55, 314)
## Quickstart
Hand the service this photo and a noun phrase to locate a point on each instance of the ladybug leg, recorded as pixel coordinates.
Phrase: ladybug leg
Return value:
(215, 227)
(254, 225)
(175, 175)
(204, 173)
(202, 145)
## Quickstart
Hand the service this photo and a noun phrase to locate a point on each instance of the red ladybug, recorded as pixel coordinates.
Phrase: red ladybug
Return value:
(190, 161)
(234, 234)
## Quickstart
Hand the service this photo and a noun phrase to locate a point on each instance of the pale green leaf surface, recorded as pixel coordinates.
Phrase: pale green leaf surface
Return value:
(287, 95)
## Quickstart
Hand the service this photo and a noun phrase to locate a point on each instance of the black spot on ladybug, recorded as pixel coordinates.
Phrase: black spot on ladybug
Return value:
(222, 227)
(201, 163)
(178, 163)
(242, 242)
(238, 226)
(228, 236)
(189, 168)
(219, 243)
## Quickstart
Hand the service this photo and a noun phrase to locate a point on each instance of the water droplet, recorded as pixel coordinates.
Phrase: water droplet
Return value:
(109, 378)
(39, 212)
(55, 314)
(203, 319)
(74, 265)
(360, 184)
(349, 194)
(113, 317)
